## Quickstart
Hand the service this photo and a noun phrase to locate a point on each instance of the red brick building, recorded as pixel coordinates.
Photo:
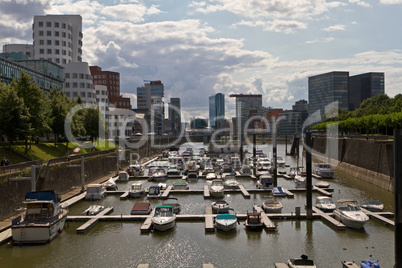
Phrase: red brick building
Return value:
(112, 81)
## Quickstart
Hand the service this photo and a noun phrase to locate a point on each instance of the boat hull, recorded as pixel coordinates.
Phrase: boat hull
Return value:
(349, 222)
(136, 194)
(163, 224)
(225, 225)
(36, 233)
(217, 193)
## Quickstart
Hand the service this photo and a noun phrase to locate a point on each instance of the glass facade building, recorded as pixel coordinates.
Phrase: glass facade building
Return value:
(216, 110)
(246, 105)
(364, 86)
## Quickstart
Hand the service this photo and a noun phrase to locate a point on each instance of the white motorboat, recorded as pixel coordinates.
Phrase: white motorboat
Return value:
(95, 192)
(159, 174)
(174, 202)
(322, 184)
(230, 182)
(280, 161)
(325, 203)
(173, 171)
(123, 176)
(220, 206)
(272, 206)
(246, 170)
(43, 220)
(300, 182)
(303, 262)
(110, 185)
(262, 170)
(210, 176)
(226, 222)
(292, 172)
(164, 218)
(154, 191)
(265, 182)
(323, 170)
(93, 210)
(350, 214)
(374, 206)
(136, 190)
(217, 188)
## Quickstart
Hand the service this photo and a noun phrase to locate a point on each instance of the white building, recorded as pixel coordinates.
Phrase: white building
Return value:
(58, 38)
(26, 49)
(120, 122)
(102, 98)
(79, 82)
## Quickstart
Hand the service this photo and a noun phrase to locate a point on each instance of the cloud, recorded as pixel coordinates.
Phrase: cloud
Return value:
(360, 3)
(322, 40)
(338, 27)
(285, 26)
(391, 2)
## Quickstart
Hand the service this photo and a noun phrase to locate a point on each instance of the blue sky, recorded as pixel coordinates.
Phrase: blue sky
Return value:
(198, 48)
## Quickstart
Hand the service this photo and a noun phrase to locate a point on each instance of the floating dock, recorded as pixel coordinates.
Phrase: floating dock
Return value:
(143, 265)
(89, 224)
(207, 194)
(329, 218)
(268, 224)
(322, 191)
(208, 265)
(166, 192)
(350, 264)
(124, 196)
(244, 192)
(378, 216)
(281, 265)
(209, 219)
(147, 225)
(289, 193)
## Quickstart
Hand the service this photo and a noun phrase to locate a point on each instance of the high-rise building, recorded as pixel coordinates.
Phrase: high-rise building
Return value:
(327, 88)
(79, 82)
(175, 115)
(247, 106)
(216, 110)
(364, 86)
(58, 38)
(112, 82)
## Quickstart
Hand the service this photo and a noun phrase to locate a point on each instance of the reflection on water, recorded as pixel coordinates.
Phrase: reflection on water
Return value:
(121, 244)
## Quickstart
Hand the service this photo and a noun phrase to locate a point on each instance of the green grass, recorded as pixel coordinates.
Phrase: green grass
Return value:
(44, 151)
(13, 158)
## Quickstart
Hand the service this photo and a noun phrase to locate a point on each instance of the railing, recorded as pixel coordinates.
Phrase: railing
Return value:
(19, 167)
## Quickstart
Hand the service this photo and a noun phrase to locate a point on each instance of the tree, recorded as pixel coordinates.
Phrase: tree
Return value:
(14, 119)
(59, 106)
(92, 118)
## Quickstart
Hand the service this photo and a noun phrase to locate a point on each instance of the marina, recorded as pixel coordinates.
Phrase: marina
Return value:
(194, 233)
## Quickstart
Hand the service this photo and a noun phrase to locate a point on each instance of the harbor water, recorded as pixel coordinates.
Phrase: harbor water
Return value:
(121, 244)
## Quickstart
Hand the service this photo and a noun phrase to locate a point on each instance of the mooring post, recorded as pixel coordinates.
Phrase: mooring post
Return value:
(33, 178)
(309, 207)
(398, 196)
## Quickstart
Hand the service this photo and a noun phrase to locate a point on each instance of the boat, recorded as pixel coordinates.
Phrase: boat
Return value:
(154, 191)
(272, 206)
(226, 222)
(280, 161)
(164, 218)
(322, 184)
(158, 174)
(350, 214)
(162, 185)
(173, 171)
(303, 262)
(323, 170)
(246, 170)
(208, 169)
(136, 190)
(278, 191)
(374, 206)
(254, 221)
(230, 182)
(301, 171)
(180, 185)
(93, 210)
(292, 172)
(300, 182)
(265, 182)
(95, 192)
(220, 206)
(325, 203)
(123, 176)
(210, 176)
(110, 185)
(217, 188)
(192, 176)
(141, 208)
(370, 264)
(262, 170)
(44, 218)
(174, 202)
(135, 170)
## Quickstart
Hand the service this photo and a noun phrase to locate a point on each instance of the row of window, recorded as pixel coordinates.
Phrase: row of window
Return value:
(78, 75)
(82, 94)
(56, 34)
(81, 85)
(111, 76)
(103, 82)
(56, 52)
(56, 25)
(50, 42)
(104, 92)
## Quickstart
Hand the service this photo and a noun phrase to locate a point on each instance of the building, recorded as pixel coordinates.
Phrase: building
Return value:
(46, 74)
(112, 82)
(79, 82)
(58, 38)
(26, 49)
(198, 123)
(327, 88)
(120, 122)
(291, 121)
(175, 115)
(247, 106)
(102, 98)
(216, 110)
(364, 86)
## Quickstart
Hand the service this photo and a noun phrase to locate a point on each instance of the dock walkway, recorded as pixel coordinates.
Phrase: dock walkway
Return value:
(378, 216)
(146, 226)
(166, 193)
(207, 194)
(244, 192)
(268, 224)
(209, 219)
(95, 219)
(329, 218)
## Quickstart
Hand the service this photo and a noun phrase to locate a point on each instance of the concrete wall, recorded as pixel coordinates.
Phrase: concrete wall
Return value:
(367, 160)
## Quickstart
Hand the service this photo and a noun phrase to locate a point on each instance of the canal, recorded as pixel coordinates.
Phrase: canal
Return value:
(120, 244)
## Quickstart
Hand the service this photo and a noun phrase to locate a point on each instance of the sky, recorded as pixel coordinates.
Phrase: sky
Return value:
(198, 48)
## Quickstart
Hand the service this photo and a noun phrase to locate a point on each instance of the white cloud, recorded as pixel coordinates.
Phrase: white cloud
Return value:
(285, 26)
(391, 2)
(338, 27)
(322, 40)
(360, 3)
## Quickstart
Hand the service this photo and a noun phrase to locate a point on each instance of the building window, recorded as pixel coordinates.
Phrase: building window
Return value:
(64, 52)
(104, 82)
(63, 34)
(64, 61)
(57, 42)
(63, 25)
(82, 94)
(67, 75)
(95, 76)
(49, 42)
(56, 25)
(82, 85)
(48, 24)
(42, 42)
(75, 94)
(75, 85)
(40, 33)
(57, 51)
(40, 24)
(68, 94)
(57, 33)
(67, 85)
(75, 75)
(57, 60)
(41, 51)
(48, 33)
(49, 51)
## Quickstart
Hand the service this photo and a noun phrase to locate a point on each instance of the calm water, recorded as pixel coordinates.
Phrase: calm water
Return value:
(113, 244)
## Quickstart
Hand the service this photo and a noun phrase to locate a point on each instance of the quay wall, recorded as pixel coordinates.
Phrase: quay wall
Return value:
(368, 160)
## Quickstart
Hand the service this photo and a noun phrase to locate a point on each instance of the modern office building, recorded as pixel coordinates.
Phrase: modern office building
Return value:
(198, 123)
(291, 121)
(26, 49)
(112, 82)
(247, 106)
(58, 38)
(149, 90)
(364, 86)
(327, 88)
(216, 110)
(79, 82)
(175, 115)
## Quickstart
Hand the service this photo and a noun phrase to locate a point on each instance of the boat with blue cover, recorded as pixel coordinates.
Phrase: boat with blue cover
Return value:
(278, 191)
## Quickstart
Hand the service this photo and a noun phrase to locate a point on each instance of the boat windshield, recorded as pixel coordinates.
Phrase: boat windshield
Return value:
(163, 212)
